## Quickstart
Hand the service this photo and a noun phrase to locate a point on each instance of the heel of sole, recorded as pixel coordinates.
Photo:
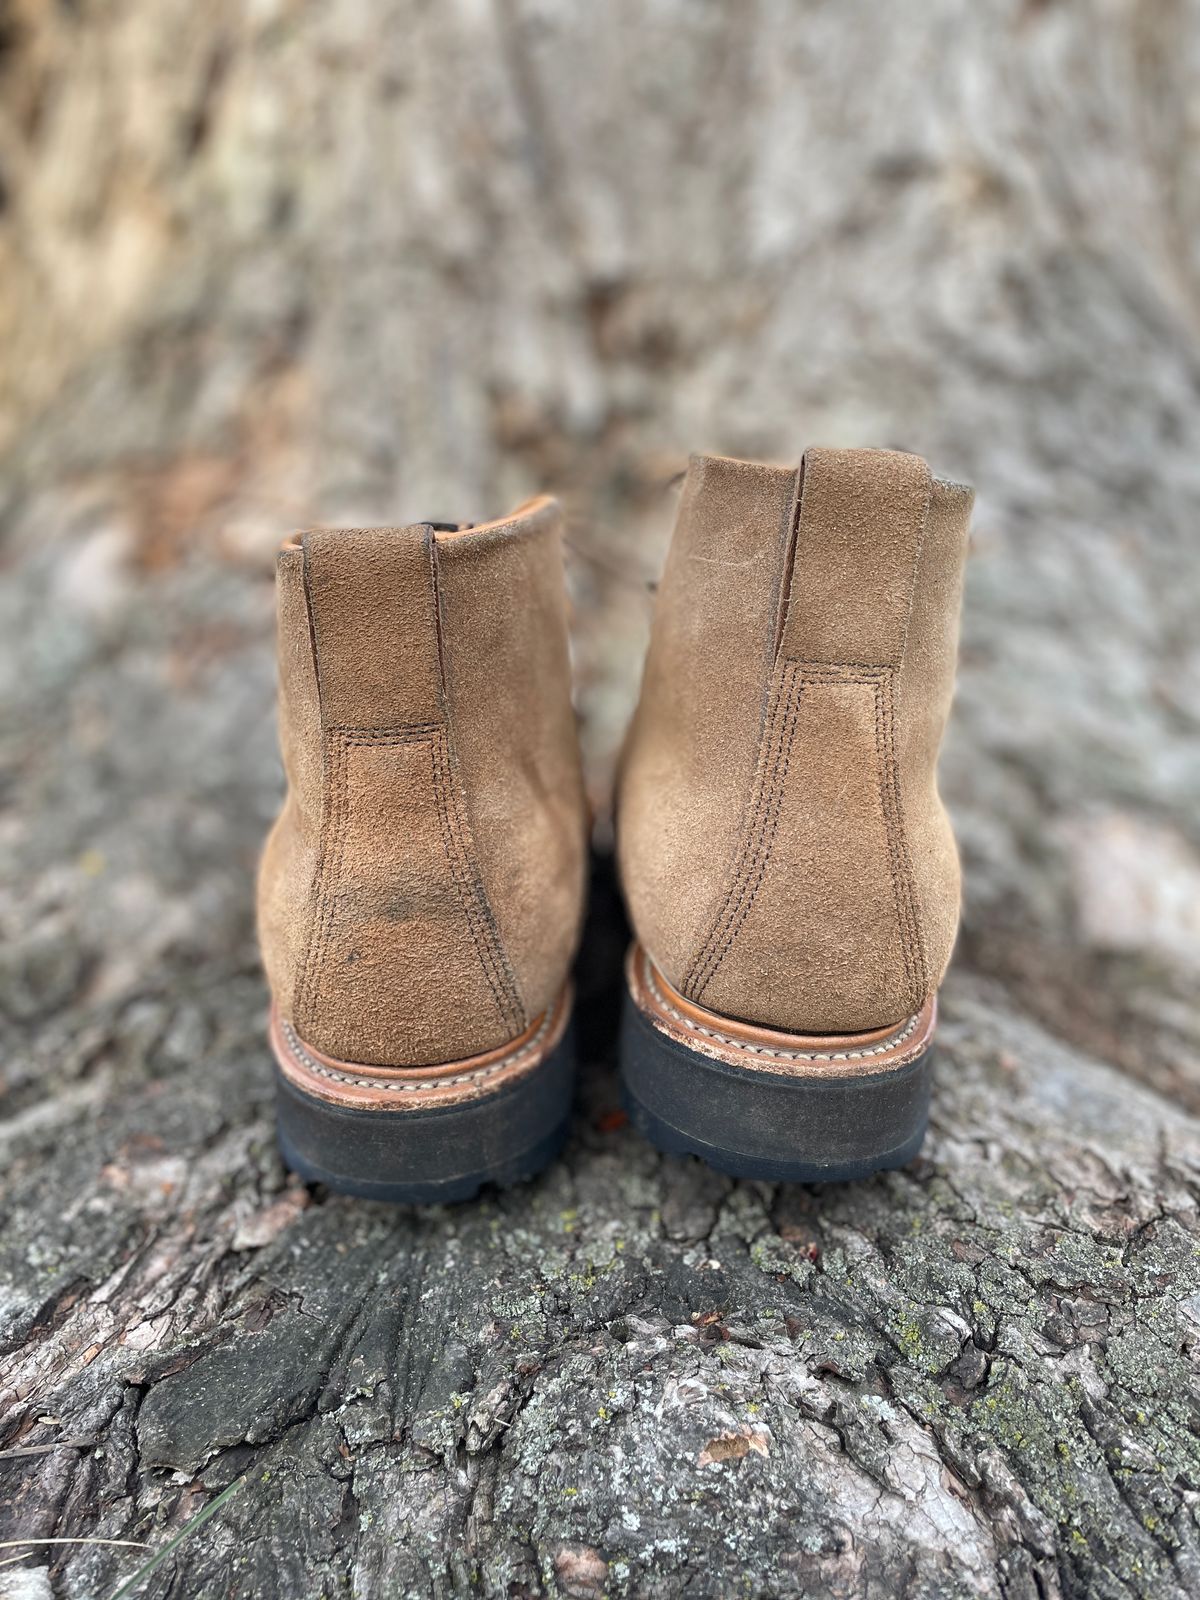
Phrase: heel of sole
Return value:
(786, 1110)
(425, 1136)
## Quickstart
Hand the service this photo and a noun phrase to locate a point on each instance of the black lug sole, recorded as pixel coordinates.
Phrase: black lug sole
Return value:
(435, 1156)
(752, 1123)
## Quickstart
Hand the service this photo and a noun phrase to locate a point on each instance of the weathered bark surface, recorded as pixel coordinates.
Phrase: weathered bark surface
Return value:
(272, 262)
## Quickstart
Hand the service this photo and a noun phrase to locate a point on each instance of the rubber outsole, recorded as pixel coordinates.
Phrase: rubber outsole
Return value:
(436, 1156)
(754, 1123)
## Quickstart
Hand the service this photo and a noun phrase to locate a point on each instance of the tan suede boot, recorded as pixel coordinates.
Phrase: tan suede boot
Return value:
(789, 869)
(421, 893)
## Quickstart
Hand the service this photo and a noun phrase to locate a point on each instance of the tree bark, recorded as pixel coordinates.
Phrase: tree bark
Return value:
(273, 263)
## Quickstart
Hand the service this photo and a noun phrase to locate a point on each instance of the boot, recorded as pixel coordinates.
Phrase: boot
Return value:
(420, 895)
(789, 869)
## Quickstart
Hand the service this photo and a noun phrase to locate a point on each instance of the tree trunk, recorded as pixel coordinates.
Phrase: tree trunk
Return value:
(271, 263)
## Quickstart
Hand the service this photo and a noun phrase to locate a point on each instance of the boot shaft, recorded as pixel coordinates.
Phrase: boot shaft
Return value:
(784, 851)
(421, 892)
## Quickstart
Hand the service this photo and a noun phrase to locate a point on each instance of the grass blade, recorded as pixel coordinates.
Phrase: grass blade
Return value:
(25, 1546)
(198, 1521)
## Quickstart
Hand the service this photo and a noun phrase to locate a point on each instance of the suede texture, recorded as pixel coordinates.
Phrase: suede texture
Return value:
(507, 668)
(421, 893)
(690, 755)
(786, 857)
(288, 871)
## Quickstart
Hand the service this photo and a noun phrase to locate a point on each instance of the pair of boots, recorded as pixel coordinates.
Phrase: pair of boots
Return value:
(789, 870)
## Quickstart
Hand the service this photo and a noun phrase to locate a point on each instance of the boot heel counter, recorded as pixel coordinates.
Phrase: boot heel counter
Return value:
(402, 965)
(821, 921)
(378, 936)
(786, 857)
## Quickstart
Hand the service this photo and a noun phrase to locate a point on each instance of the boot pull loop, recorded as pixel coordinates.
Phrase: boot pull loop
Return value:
(373, 608)
(859, 524)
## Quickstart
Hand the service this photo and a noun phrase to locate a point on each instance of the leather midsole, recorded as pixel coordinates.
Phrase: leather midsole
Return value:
(743, 1045)
(347, 1083)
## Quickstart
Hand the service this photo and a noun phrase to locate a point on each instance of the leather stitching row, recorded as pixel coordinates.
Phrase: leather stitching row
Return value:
(368, 1081)
(452, 848)
(880, 678)
(881, 763)
(698, 974)
(893, 821)
(332, 838)
(908, 875)
(459, 859)
(767, 808)
(765, 1050)
(763, 826)
(481, 920)
(333, 849)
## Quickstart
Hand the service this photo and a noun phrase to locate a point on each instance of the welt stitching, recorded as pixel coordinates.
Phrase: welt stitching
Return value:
(374, 1081)
(906, 1030)
(699, 973)
(752, 870)
(907, 877)
(903, 918)
(452, 846)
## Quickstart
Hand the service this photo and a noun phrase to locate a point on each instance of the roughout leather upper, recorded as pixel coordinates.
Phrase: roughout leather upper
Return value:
(421, 893)
(785, 855)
